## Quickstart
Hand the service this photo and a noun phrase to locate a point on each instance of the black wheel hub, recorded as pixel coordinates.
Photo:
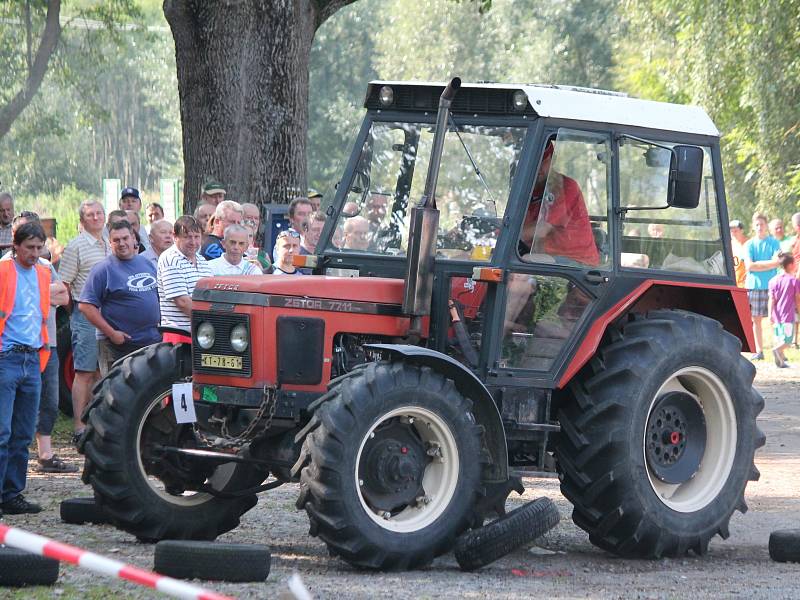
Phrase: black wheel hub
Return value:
(676, 437)
(392, 466)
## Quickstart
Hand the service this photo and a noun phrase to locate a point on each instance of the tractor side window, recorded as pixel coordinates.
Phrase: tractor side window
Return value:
(667, 239)
(541, 315)
(567, 217)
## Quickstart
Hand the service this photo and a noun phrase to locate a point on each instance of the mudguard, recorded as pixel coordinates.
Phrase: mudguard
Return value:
(495, 469)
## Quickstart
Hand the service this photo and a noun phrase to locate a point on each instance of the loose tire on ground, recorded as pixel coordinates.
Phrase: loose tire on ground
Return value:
(784, 545)
(389, 468)
(626, 452)
(78, 511)
(484, 545)
(18, 568)
(212, 561)
(130, 414)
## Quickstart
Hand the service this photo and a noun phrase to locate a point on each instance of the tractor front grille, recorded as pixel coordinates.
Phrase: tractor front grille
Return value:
(223, 324)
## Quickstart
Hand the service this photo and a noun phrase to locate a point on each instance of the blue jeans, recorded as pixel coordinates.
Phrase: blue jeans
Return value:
(48, 405)
(20, 388)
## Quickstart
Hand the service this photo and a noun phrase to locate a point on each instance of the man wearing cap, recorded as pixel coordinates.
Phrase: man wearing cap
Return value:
(738, 239)
(213, 193)
(315, 198)
(131, 200)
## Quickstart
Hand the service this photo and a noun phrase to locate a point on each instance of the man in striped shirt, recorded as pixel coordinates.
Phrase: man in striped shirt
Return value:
(81, 254)
(179, 268)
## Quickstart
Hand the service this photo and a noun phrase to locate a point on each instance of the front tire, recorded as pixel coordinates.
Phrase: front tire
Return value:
(391, 466)
(130, 415)
(658, 436)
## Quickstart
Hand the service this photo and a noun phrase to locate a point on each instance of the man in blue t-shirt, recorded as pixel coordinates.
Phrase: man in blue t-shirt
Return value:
(761, 262)
(120, 298)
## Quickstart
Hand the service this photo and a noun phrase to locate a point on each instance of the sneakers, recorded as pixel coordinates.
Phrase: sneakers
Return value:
(779, 360)
(76, 439)
(55, 465)
(19, 506)
(757, 356)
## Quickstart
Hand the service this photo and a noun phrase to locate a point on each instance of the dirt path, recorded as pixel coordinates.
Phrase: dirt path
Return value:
(563, 564)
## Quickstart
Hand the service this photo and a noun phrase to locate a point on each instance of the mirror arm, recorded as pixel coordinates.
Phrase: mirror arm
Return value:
(621, 211)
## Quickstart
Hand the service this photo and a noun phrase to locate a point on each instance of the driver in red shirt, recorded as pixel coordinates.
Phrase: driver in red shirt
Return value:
(557, 223)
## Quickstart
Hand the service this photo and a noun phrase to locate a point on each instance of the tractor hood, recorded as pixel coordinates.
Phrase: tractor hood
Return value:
(258, 290)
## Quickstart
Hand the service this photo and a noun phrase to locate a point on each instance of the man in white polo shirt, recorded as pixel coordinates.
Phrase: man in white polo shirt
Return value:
(179, 268)
(236, 240)
(81, 254)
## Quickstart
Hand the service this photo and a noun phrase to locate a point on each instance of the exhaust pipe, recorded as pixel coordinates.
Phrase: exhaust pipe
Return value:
(424, 224)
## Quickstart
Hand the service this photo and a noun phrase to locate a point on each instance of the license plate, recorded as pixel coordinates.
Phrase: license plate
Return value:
(221, 362)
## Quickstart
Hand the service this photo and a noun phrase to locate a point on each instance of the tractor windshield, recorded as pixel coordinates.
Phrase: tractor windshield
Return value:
(478, 165)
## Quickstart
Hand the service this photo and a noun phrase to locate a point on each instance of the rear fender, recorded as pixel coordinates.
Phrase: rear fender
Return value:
(467, 383)
(724, 303)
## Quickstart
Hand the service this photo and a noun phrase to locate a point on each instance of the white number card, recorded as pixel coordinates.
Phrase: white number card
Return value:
(183, 403)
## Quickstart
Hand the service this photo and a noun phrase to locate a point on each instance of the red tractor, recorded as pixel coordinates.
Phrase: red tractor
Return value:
(512, 280)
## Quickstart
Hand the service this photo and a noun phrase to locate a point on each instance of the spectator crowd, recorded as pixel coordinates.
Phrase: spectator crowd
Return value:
(766, 265)
(126, 283)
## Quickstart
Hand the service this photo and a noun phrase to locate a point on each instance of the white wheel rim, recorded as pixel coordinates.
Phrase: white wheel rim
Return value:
(721, 435)
(155, 484)
(439, 479)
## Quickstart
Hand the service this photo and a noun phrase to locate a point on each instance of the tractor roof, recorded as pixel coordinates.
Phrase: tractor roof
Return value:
(560, 102)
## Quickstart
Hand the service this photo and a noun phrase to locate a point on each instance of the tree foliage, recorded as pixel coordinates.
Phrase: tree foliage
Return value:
(107, 107)
(739, 59)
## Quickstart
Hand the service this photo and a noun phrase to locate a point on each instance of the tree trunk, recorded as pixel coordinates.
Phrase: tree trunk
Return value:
(37, 68)
(243, 88)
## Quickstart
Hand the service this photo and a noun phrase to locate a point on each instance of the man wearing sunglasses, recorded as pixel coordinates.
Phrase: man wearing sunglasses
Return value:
(286, 246)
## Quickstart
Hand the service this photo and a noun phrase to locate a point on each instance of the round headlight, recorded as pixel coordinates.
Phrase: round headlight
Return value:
(386, 95)
(239, 338)
(205, 335)
(520, 100)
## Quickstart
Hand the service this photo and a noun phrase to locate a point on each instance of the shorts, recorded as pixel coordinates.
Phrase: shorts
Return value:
(784, 333)
(108, 354)
(758, 302)
(84, 343)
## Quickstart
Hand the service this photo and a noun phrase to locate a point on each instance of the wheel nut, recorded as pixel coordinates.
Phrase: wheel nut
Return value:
(361, 482)
(422, 501)
(386, 514)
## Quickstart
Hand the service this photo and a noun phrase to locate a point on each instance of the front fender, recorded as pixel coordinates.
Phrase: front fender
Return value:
(468, 384)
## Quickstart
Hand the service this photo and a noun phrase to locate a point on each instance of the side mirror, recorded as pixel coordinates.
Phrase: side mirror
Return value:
(685, 176)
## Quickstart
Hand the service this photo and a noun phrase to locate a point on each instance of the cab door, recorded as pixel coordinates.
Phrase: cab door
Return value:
(562, 264)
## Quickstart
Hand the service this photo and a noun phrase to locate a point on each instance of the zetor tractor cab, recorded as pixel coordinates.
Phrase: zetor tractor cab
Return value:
(512, 280)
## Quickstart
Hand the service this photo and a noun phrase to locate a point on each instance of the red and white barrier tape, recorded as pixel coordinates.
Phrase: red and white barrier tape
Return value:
(37, 544)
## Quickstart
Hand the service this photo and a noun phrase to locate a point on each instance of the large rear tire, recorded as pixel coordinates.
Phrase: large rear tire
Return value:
(130, 415)
(658, 436)
(390, 466)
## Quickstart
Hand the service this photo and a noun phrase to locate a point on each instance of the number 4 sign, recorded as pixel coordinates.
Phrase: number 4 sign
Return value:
(183, 403)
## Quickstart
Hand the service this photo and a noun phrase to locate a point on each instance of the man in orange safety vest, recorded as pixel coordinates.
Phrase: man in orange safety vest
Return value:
(24, 350)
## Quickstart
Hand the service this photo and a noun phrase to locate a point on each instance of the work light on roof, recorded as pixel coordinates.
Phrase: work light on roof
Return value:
(386, 95)
(520, 100)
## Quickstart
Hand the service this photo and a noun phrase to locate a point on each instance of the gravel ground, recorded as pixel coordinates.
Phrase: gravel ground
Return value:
(563, 564)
